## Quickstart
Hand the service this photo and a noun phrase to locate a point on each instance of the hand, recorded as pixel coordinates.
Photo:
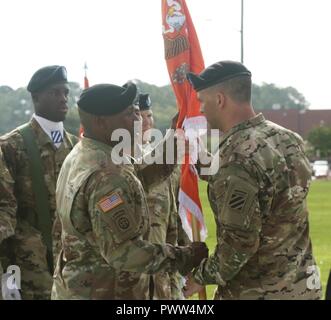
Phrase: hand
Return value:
(204, 162)
(200, 252)
(182, 145)
(197, 252)
(191, 287)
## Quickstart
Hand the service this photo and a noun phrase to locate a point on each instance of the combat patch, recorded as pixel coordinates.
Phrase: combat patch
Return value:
(239, 202)
(123, 223)
(238, 199)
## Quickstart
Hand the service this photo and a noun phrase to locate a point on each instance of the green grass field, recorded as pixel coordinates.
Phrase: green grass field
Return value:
(319, 204)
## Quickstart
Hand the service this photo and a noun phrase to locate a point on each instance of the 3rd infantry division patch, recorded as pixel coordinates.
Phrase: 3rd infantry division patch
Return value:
(238, 199)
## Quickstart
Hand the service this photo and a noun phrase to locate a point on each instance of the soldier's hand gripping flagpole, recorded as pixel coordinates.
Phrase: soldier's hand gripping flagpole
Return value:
(197, 237)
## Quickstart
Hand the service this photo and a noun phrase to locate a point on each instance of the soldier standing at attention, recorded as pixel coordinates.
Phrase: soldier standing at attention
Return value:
(165, 221)
(103, 210)
(33, 155)
(258, 197)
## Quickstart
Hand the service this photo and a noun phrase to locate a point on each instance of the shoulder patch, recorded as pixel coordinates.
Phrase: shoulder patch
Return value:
(238, 199)
(240, 202)
(110, 202)
(122, 222)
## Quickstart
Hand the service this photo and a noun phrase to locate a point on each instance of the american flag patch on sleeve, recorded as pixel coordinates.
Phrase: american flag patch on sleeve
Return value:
(110, 202)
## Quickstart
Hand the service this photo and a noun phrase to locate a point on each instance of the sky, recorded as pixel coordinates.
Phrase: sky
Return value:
(287, 42)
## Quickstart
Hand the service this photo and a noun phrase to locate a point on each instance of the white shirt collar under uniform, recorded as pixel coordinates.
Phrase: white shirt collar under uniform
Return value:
(53, 129)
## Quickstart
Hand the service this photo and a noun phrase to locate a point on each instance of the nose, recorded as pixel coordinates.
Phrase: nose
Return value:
(64, 98)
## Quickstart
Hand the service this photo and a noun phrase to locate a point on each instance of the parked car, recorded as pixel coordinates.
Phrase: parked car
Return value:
(321, 169)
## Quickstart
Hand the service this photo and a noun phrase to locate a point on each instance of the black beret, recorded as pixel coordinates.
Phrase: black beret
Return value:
(144, 102)
(47, 76)
(107, 99)
(217, 73)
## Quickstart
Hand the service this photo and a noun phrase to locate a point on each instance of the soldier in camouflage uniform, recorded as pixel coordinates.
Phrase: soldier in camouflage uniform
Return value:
(21, 239)
(8, 203)
(165, 221)
(176, 279)
(8, 213)
(103, 210)
(258, 197)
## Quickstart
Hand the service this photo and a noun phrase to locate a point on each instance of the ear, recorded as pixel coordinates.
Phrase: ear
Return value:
(220, 96)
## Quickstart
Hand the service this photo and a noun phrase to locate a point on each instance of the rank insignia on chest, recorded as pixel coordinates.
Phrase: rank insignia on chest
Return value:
(110, 202)
(56, 136)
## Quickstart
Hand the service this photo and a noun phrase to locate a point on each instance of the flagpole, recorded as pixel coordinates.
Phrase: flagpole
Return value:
(196, 237)
(86, 82)
(86, 85)
(85, 69)
(183, 53)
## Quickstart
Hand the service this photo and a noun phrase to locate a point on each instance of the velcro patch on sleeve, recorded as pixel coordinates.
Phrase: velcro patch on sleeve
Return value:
(110, 202)
(241, 201)
(238, 199)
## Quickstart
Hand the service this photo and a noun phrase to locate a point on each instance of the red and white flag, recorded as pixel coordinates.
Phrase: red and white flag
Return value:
(183, 54)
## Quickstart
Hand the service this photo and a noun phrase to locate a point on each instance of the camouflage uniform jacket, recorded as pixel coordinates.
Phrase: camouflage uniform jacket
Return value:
(163, 211)
(8, 208)
(105, 226)
(24, 246)
(258, 197)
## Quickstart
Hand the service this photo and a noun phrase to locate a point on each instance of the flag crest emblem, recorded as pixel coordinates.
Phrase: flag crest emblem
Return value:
(110, 202)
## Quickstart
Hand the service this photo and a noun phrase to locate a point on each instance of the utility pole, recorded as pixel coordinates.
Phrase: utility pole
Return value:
(242, 31)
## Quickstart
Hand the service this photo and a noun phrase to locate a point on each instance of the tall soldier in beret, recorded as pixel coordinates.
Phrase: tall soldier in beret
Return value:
(258, 197)
(33, 154)
(103, 210)
(162, 203)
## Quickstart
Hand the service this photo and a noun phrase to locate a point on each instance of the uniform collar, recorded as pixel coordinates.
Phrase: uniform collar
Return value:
(43, 137)
(49, 127)
(253, 122)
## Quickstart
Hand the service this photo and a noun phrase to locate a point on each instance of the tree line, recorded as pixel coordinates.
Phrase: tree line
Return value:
(16, 108)
(16, 105)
